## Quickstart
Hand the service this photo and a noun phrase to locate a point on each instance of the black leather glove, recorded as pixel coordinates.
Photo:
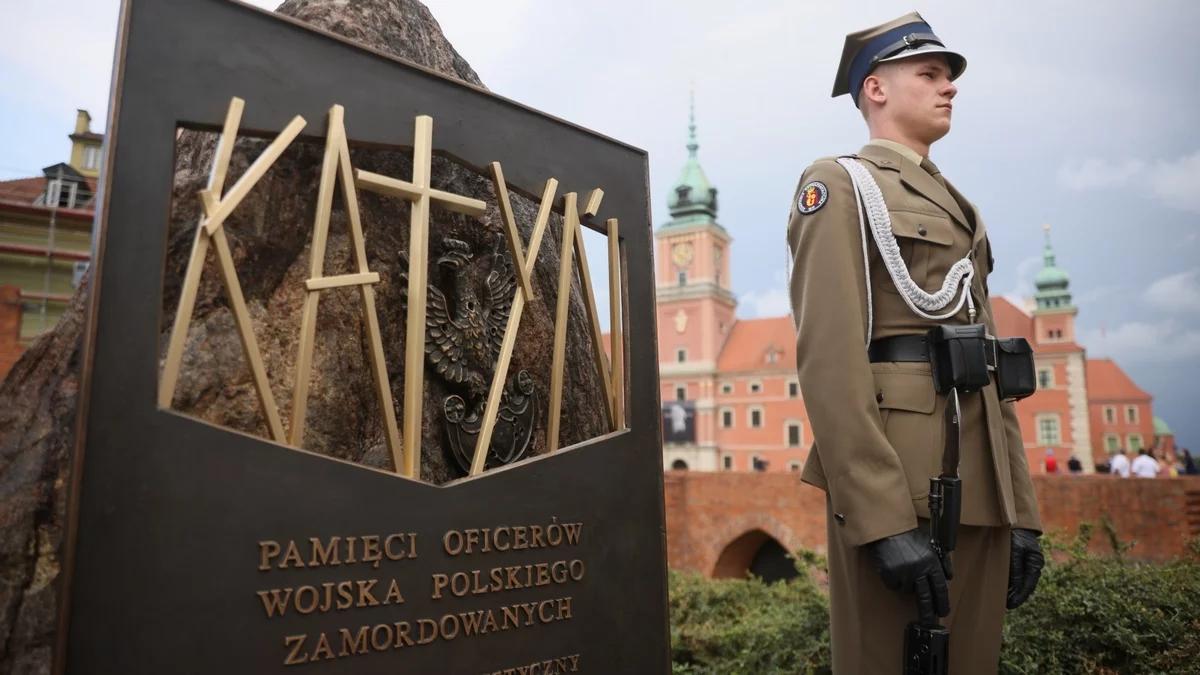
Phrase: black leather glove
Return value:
(1025, 565)
(908, 564)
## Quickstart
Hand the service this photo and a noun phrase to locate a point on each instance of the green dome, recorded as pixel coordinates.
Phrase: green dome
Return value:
(1051, 276)
(1052, 282)
(693, 199)
(692, 192)
(1161, 428)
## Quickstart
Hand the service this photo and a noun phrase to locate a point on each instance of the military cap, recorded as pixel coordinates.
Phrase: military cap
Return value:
(897, 39)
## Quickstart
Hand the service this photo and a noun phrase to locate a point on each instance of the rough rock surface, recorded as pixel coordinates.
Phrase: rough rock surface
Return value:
(270, 234)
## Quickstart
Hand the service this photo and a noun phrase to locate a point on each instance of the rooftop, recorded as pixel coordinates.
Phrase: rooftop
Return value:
(1107, 382)
(752, 341)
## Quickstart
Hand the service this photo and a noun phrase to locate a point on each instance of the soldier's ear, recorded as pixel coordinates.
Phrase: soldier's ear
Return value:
(873, 90)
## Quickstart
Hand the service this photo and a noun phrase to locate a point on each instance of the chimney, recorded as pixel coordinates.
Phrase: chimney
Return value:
(83, 122)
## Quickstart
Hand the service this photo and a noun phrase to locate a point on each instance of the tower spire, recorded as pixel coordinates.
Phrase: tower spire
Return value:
(692, 145)
(1052, 282)
(1048, 250)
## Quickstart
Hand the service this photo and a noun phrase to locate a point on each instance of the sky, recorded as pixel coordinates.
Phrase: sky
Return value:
(1076, 114)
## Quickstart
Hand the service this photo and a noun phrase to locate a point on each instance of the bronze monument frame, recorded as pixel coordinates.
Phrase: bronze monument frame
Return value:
(167, 512)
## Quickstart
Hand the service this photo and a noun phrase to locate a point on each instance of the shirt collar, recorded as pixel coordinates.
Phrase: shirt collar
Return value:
(905, 151)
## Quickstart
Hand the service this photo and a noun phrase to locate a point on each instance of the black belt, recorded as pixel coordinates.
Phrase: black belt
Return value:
(914, 348)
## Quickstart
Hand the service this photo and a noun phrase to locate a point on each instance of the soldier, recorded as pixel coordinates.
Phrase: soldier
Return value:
(883, 249)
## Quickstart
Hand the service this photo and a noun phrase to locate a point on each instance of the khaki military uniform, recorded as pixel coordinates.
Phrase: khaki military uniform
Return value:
(878, 427)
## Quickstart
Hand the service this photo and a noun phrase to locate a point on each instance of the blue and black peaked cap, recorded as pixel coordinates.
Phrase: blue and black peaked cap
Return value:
(900, 38)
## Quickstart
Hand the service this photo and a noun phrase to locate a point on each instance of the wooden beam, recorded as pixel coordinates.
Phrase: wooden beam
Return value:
(593, 202)
(496, 390)
(357, 279)
(616, 326)
(511, 235)
(418, 260)
(245, 328)
(383, 385)
(570, 224)
(589, 306)
(230, 200)
(195, 266)
(316, 266)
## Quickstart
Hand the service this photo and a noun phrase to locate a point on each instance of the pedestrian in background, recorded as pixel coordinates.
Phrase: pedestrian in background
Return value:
(1145, 466)
(1119, 465)
(1074, 465)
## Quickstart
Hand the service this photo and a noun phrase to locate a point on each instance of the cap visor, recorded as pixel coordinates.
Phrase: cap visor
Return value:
(957, 63)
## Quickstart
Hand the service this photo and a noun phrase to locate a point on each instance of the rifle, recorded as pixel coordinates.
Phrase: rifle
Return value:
(927, 647)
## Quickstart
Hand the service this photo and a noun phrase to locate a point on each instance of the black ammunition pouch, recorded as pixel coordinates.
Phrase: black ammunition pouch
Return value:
(959, 357)
(965, 356)
(1015, 378)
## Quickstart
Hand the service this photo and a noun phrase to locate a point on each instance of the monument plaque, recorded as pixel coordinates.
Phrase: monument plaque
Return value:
(506, 514)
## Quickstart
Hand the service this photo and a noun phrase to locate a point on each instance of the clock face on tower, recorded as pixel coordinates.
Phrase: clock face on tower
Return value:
(682, 254)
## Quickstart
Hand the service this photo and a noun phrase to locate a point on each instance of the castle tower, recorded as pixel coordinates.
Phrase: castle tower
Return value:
(696, 309)
(1062, 418)
(1054, 316)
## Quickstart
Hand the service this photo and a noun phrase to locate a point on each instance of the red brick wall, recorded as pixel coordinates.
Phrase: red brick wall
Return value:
(707, 512)
(10, 327)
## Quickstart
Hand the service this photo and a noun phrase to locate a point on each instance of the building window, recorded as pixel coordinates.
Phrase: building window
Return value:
(726, 388)
(726, 418)
(1131, 414)
(1112, 443)
(1134, 441)
(682, 278)
(91, 157)
(727, 462)
(1110, 414)
(794, 435)
(757, 463)
(1045, 378)
(793, 466)
(679, 465)
(793, 389)
(680, 392)
(61, 193)
(755, 387)
(1048, 432)
(772, 355)
(756, 417)
(680, 355)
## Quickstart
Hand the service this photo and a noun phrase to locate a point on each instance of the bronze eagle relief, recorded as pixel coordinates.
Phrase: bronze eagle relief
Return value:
(465, 326)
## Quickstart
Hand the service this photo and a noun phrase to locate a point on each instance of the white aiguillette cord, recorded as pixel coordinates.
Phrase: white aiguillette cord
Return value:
(922, 303)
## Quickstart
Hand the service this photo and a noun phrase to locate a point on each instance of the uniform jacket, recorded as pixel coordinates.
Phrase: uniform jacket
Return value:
(878, 428)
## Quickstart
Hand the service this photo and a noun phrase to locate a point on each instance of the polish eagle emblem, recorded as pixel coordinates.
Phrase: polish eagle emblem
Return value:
(464, 332)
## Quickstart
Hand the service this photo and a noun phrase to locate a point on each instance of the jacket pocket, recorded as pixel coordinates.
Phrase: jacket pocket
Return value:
(918, 234)
(907, 407)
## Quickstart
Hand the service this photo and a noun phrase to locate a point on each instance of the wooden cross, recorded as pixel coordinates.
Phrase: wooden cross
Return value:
(336, 167)
(421, 195)
(217, 208)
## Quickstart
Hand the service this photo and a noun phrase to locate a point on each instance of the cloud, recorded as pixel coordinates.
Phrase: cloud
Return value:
(1174, 182)
(758, 304)
(1144, 342)
(1176, 293)
(1023, 289)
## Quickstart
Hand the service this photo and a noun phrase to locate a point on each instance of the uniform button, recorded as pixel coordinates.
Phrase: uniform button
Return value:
(840, 518)
(879, 397)
(921, 230)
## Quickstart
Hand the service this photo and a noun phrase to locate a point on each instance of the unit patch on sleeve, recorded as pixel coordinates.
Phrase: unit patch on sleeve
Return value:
(812, 197)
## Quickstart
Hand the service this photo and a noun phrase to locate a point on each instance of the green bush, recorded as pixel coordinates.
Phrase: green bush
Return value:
(1090, 614)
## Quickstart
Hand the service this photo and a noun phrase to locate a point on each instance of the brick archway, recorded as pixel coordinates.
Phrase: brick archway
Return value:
(736, 542)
